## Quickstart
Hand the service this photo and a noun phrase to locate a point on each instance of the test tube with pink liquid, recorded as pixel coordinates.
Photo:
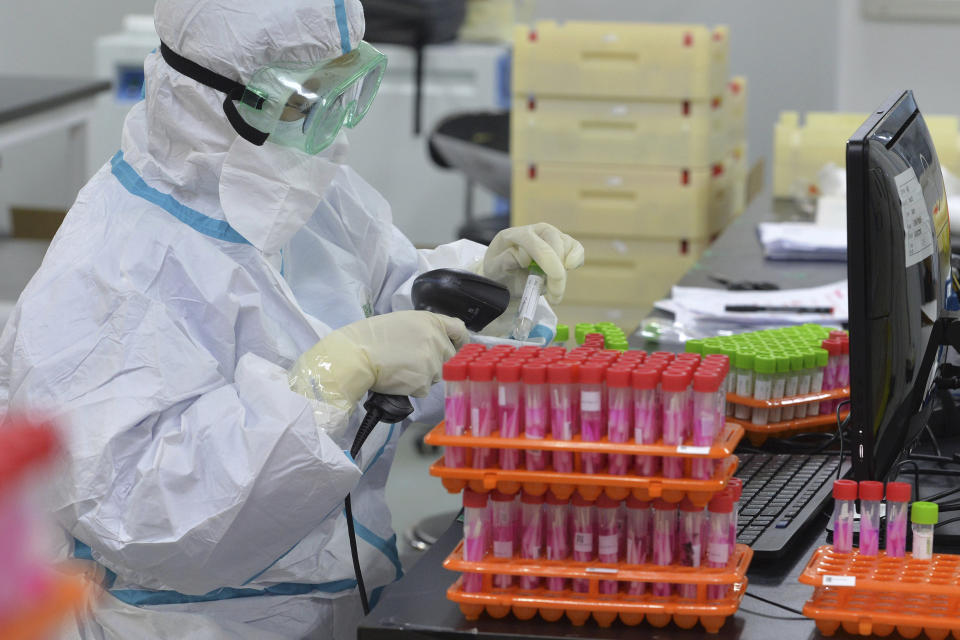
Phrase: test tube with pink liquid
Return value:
(690, 542)
(557, 528)
(562, 377)
(720, 546)
(475, 536)
(456, 409)
(646, 415)
(844, 512)
(898, 499)
(608, 538)
(501, 513)
(510, 409)
(664, 541)
(871, 496)
(531, 534)
(707, 417)
(620, 415)
(584, 536)
(536, 412)
(483, 409)
(592, 426)
(639, 536)
(674, 385)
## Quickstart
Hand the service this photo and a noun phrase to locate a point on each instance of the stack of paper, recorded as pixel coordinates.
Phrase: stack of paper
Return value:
(697, 305)
(802, 241)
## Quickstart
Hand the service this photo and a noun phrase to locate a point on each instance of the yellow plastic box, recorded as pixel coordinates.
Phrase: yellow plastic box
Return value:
(735, 110)
(661, 134)
(627, 202)
(738, 169)
(801, 151)
(620, 60)
(630, 273)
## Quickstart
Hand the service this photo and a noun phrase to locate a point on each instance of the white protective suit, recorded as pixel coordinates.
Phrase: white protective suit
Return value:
(161, 339)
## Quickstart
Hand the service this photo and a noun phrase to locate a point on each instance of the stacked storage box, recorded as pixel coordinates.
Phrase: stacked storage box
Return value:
(736, 166)
(619, 137)
(800, 151)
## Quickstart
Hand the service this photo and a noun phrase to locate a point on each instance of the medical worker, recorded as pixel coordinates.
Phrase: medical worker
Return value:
(220, 298)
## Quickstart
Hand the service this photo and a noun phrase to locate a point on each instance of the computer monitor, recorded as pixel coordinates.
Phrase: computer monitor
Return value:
(898, 263)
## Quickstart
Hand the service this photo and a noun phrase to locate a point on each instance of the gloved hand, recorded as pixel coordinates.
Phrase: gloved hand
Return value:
(508, 258)
(399, 353)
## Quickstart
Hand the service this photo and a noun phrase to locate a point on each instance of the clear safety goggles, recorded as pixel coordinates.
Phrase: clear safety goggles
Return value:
(298, 106)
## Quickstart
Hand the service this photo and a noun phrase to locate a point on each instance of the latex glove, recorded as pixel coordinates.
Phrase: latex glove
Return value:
(508, 258)
(400, 353)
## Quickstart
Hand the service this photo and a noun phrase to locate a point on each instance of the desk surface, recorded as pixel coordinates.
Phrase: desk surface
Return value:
(27, 95)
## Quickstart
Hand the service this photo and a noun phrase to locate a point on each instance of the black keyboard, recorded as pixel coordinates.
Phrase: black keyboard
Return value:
(782, 493)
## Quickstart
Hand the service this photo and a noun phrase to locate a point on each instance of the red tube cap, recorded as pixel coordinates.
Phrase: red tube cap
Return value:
(497, 496)
(534, 373)
(634, 502)
(474, 500)
(563, 372)
(833, 346)
(673, 380)
(529, 351)
(844, 490)
(529, 498)
(721, 503)
(838, 333)
(606, 502)
(689, 507)
(579, 501)
(899, 492)
(618, 377)
(645, 378)
(663, 354)
(663, 505)
(553, 499)
(707, 381)
(481, 370)
(509, 371)
(871, 490)
(592, 373)
(455, 370)
(735, 485)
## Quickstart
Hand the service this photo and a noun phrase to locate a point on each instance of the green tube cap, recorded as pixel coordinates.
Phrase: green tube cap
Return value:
(765, 364)
(783, 363)
(536, 270)
(581, 330)
(563, 333)
(823, 356)
(745, 360)
(694, 346)
(924, 513)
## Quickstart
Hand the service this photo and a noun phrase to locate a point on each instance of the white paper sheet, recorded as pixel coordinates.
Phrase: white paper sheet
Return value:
(802, 241)
(693, 304)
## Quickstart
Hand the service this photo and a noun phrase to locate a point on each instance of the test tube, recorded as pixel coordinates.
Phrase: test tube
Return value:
(475, 536)
(871, 495)
(844, 511)
(562, 377)
(639, 532)
(690, 547)
(501, 513)
(536, 406)
(456, 410)
(536, 282)
(664, 541)
(592, 413)
(608, 538)
(557, 527)
(531, 534)
(898, 495)
(765, 369)
(923, 516)
(620, 414)
(674, 385)
(831, 374)
(735, 487)
(646, 415)
(719, 544)
(584, 537)
(744, 366)
(822, 357)
(509, 406)
(731, 383)
(483, 409)
(793, 384)
(707, 417)
(805, 382)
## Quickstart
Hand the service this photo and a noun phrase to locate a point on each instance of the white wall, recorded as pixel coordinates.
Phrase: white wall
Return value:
(880, 58)
(49, 38)
(787, 50)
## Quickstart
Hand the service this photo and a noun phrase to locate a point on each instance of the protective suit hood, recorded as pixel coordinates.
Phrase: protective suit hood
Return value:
(186, 139)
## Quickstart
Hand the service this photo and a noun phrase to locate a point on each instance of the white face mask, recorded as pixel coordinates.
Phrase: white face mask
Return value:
(269, 193)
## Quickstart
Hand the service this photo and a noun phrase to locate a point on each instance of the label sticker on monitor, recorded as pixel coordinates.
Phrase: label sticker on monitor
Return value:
(917, 231)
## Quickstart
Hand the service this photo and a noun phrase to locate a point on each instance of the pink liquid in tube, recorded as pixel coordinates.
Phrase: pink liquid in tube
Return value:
(608, 538)
(898, 499)
(584, 537)
(620, 415)
(646, 415)
(639, 536)
(674, 385)
(531, 534)
(562, 377)
(475, 536)
(557, 530)
(510, 410)
(690, 542)
(707, 418)
(844, 512)
(536, 412)
(592, 426)
(501, 512)
(483, 409)
(871, 495)
(720, 546)
(456, 410)
(664, 541)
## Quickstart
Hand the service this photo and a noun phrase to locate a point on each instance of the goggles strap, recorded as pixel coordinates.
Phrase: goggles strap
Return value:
(233, 89)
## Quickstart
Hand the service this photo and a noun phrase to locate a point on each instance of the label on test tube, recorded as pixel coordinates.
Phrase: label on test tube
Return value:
(718, 552)
(608, 545)
(502, 396)
(583, 542)
(839, 581)
(590, 401)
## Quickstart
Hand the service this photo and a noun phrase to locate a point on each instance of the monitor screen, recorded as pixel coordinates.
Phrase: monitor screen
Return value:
(898, 264)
